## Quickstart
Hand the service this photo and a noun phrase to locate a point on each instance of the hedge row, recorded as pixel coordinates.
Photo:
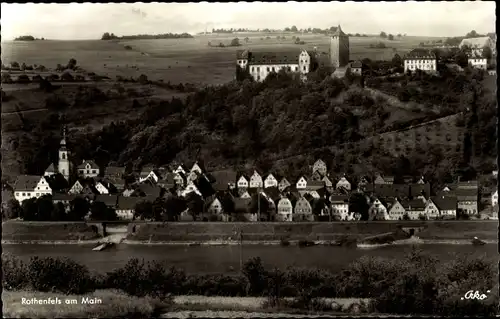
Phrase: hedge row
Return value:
(416, 284)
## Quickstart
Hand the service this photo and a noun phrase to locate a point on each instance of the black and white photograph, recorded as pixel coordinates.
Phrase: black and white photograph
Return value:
(249, 160)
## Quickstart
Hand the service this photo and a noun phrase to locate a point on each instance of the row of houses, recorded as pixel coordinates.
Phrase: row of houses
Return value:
(225, 193)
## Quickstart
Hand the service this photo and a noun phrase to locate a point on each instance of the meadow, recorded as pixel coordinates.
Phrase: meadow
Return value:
(185, 60)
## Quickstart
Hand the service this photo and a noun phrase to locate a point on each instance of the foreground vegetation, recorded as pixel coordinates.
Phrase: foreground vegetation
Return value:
(418, 284)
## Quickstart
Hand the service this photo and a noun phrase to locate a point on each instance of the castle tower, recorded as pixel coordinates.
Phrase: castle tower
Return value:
(339, 48)
(64, 164)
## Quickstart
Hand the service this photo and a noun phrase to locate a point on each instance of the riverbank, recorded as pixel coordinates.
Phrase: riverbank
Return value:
(208, 233)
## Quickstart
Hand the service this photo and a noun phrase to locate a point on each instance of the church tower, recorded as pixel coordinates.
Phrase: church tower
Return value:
(339, 48)
(64, 164)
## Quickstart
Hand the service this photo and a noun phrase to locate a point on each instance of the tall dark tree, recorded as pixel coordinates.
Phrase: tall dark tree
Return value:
(358, 204)
(79, 208)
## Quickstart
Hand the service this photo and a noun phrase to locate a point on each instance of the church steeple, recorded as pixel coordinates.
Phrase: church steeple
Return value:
(63, 164)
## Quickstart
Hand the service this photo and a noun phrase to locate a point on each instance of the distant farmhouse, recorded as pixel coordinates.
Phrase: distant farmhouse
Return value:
(261, 64)
(420, 59)
(478, 44)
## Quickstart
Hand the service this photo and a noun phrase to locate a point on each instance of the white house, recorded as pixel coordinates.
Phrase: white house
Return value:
(431, 211)
(285, 210)
(197, 168)
(478, 62)
(148, 173)
(301, 183)
(180, 169)
(190, 187)
(377, 210)
(261, 64)
(302, 210)
(420, 59)
(270, 181)
(327, 181)
(88, 168)
(245, 194)
(256, 180)
(215, 207)
(494, 198)
(51, 170)
(343, 183)
(340, 206)
(101, 188)
(76, 188)
(29, 186)
(242, 182)
(396, 211)
(320, 167)
(478, 44)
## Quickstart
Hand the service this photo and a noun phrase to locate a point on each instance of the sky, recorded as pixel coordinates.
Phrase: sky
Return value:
(90, 21)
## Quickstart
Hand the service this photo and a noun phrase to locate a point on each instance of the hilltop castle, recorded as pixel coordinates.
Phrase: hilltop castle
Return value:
(260, 64)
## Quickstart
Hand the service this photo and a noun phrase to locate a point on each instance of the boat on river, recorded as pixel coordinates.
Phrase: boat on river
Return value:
(103, 246)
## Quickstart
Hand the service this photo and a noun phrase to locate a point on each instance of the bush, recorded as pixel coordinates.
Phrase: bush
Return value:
(13, 273)
(59, 275)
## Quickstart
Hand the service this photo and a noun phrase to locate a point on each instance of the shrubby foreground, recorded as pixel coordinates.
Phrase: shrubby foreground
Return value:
(417, 284)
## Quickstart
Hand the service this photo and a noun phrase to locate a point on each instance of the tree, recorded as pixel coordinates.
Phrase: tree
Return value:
(66, 76)
(143, 210)
(260, 205)
(58, 213)
(14, 65)
(98, 211)
(391, 37)
(358, 204)
(235, 42)
(293, 29)
(13, 209)
(79, 208)
(397, 61)
(71, 64)
(195, 204)
(29, 209)
(159, 209)
(6, 78)
(45, 207)
(174, 207)
(383, 35)
(487, 53)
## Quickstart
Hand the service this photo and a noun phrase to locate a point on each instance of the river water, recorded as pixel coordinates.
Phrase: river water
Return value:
(217, 259)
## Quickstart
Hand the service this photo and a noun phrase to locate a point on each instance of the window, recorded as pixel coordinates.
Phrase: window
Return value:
(258, 77)
(63, 155)
(93, 171)
(24, 194)
(17, 194)
(273, 68)
(37, 194)
(252, 68)
(304, 67)
(88, 171)
(258, 69)
(46, 188)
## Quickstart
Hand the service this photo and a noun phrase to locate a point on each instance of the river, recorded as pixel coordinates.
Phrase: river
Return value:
(216, 259)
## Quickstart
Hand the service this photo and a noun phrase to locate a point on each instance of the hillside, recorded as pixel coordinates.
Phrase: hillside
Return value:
(283, 125)
(188, 60)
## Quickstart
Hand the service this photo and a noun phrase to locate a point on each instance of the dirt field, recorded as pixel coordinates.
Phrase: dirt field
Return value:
(183, 60)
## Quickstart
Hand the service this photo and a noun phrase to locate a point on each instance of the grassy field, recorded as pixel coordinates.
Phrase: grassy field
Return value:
(56, 231)
(184, 60)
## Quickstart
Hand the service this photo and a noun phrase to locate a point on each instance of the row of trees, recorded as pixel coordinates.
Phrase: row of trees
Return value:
(112, 36)
(28, 38)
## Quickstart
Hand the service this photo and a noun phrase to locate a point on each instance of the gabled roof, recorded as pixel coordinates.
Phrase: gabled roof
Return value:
(51, 169)
(109, 200)
(26, 182)
(242, 54)
(339, 199)
(445, 202)
(338, 32)
(114, 171)
(274, 57)
(418, 189)
(63, 197)
(416, 204)
(466, 194)
(150, 190)
(83, 165)
(476, 43)
(420, 53)
(128, 203)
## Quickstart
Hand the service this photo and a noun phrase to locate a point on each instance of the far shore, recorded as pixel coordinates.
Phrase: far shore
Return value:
(236, 243)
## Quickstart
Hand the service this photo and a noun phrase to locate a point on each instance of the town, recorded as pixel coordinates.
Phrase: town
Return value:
(187, 193)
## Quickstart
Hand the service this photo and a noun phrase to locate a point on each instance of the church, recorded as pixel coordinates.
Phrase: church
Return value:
(63, 165)
(260, 64)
